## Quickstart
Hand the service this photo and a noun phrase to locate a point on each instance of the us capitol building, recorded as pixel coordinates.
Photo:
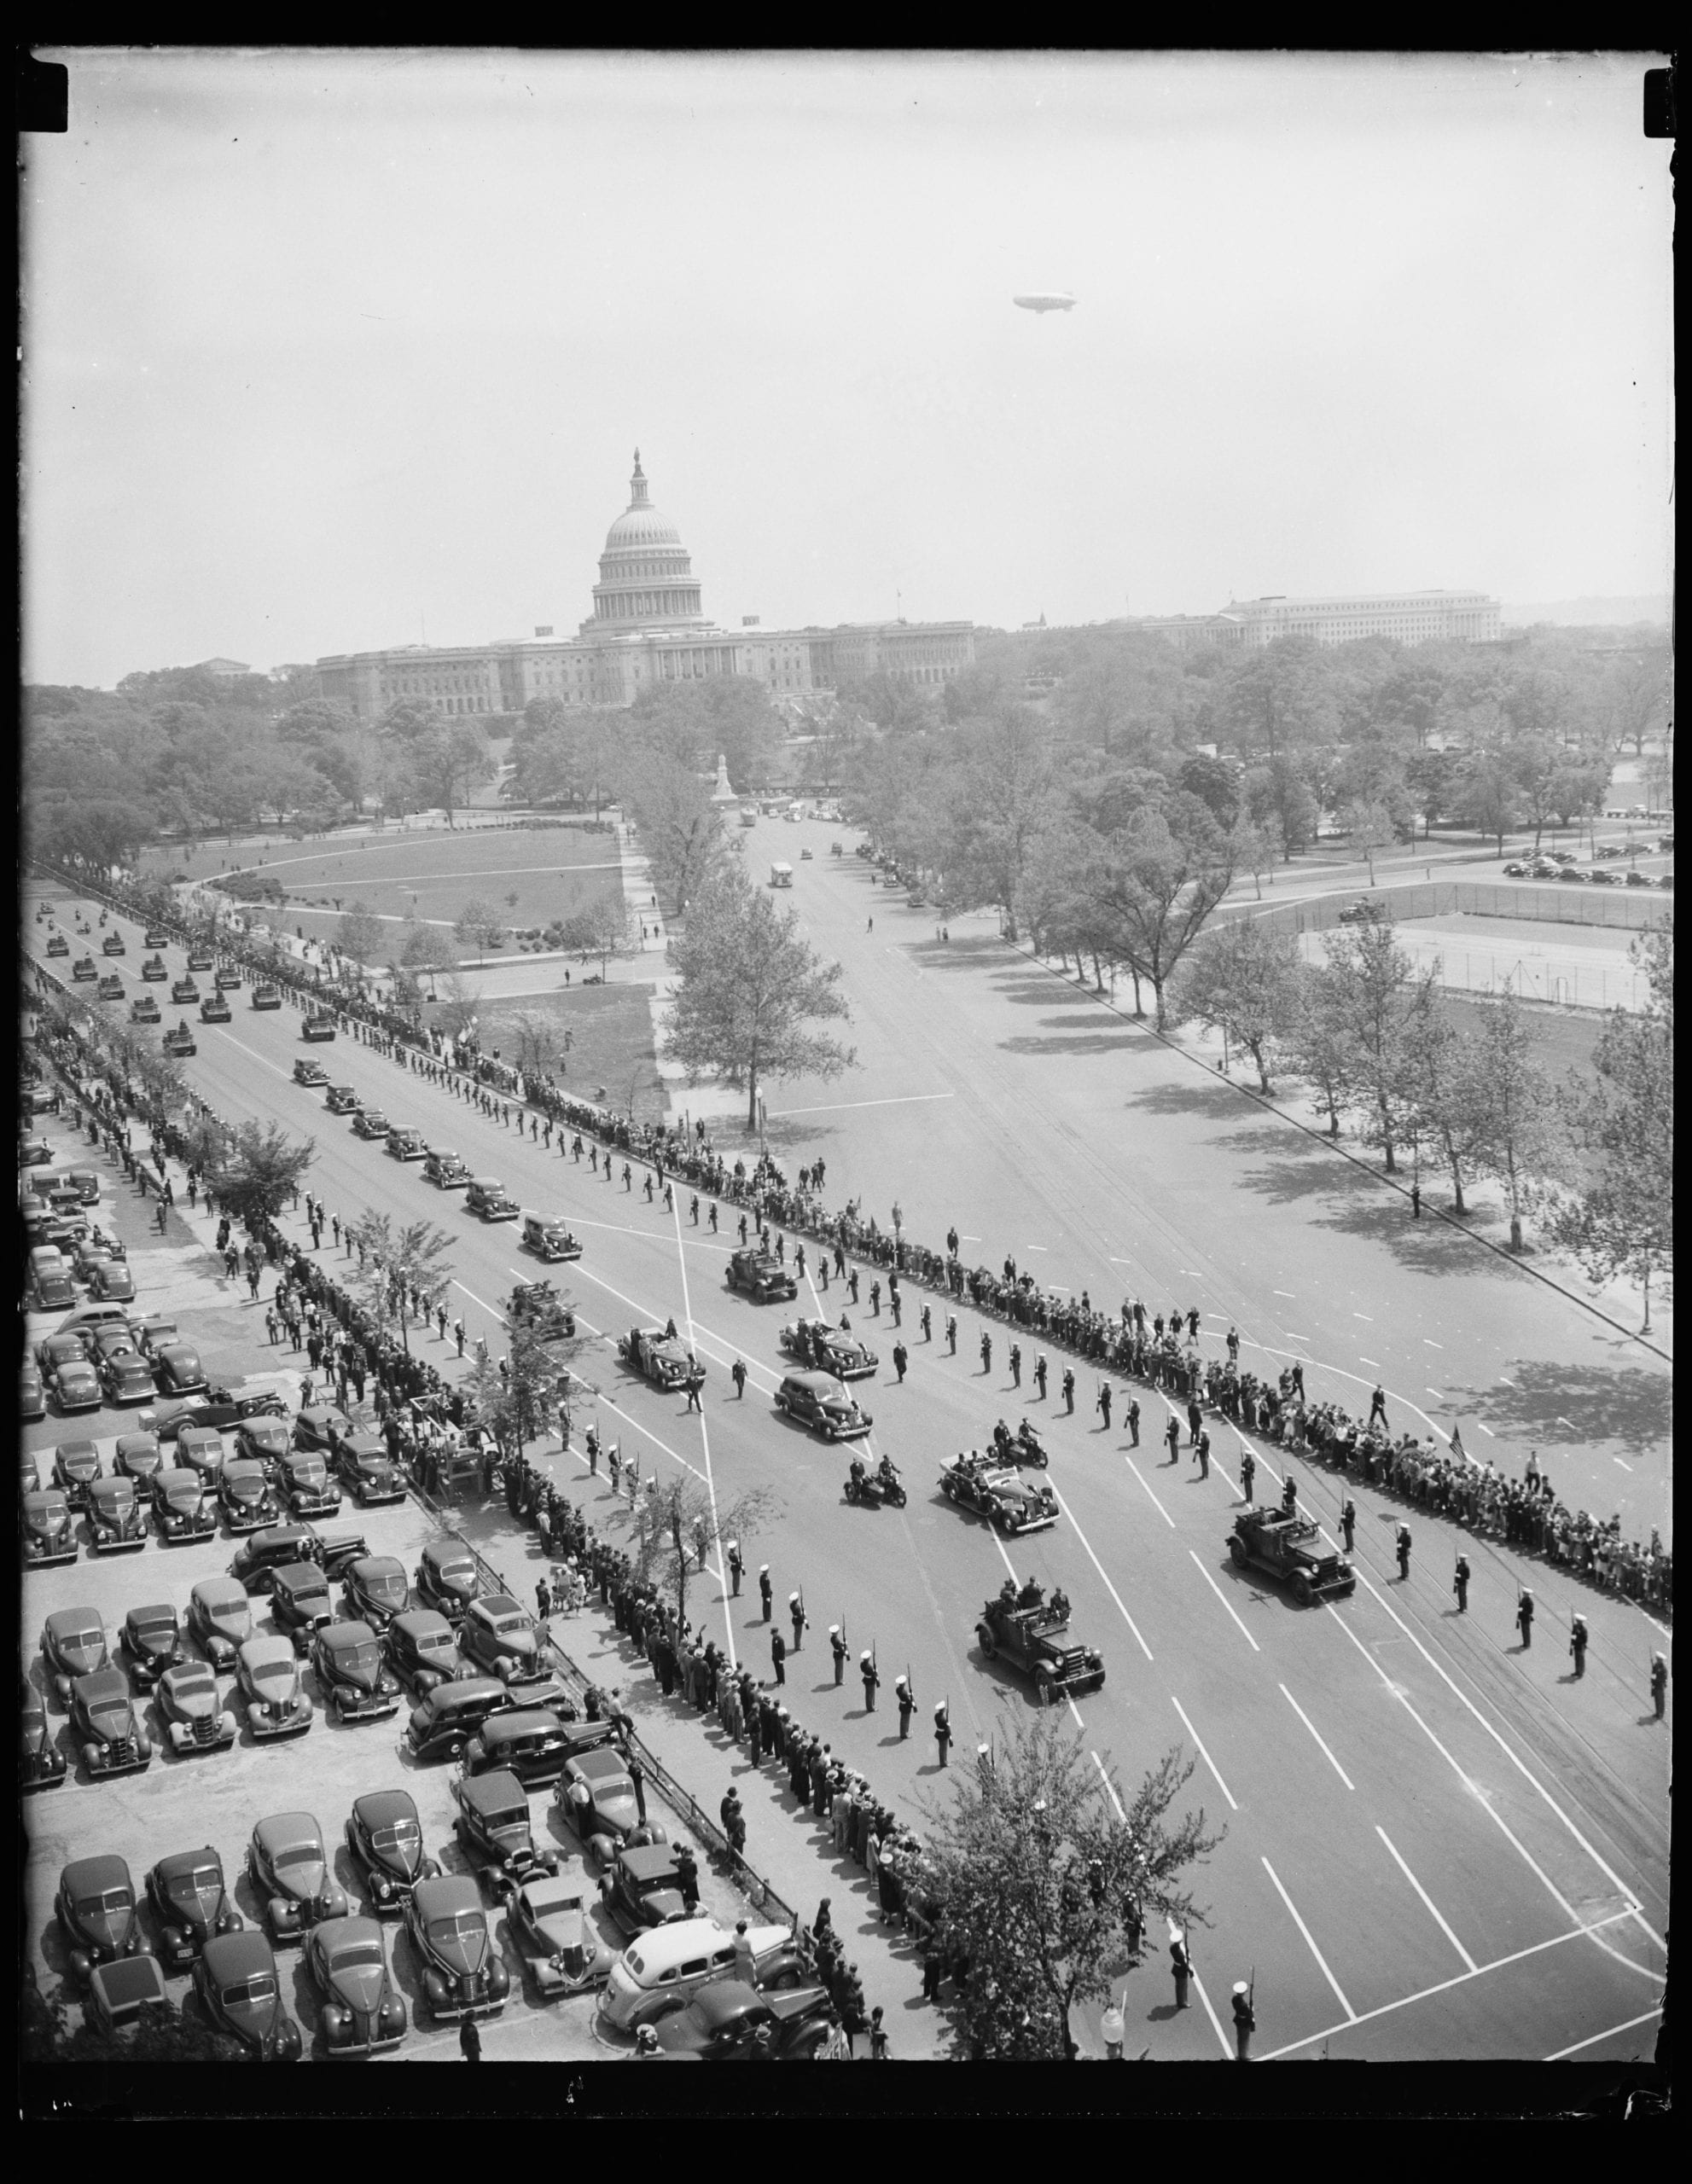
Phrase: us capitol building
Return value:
(648, 625)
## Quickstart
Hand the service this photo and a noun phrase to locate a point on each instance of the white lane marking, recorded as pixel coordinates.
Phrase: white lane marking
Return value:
(1098, 1565)
(1434, 1392)
(1569, 1422)
(1507, 1383)
(1649, 2018)
(1623, 1462)
(1036, 1247)
(1375, 1362)
(1203, 1754)
(1487, 1431)
(1310, 1940)
(1431, 1343)
(840, 1106)
(704, 1434)
(1369, 1316)
(1075, 1712)
(1287, 1294)
(276, 1066)
(1485, 1803)
(1320, 1739)
(1445, 1986)
(1291, 1336)
(1150, 1497)
(1215, 2020)
(1222, 1597)
(1433, 1908)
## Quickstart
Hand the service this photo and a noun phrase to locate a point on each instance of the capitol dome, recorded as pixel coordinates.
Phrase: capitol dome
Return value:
(646, 579)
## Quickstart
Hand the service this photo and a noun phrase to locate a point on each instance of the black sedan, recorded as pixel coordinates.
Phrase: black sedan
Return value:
(386, 1838)
(361, 2014)
(150, 1641)
(236, 1981)
(729, 2022)
(191, 1904)
(366, 1468)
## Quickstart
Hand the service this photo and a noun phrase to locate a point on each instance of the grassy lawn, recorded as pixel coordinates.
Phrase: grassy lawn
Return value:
(531, 876)
(611, 1029)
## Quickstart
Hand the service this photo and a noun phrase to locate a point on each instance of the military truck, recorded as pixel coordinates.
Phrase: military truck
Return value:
(1289, 1548)
(1035, 1640)
(538, 1306)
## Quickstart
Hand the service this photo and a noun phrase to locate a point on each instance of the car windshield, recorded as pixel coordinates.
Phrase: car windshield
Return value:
(352, 1954)
(104, 1899)
(456, 1565)
(279, 1671)
(387, 1585)
(357, 1660)
(192, 1682)
(298, 1853)
(260, 1987)
(514, 1619)
(201, 1880)
(398, 1835)
(439, 1642)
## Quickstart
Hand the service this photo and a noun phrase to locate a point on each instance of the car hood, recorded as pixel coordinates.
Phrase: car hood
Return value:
(80, 1467)
(615, 1811)
(198, 1911)
(255, 2017)
(111, 1718)
(232, 1623)
(199, 1702)
(105, 1929)
(359, 1987)
(659, 1906)
(245, 1486)
(460, 1952)
(186, 1496)
(81, 1657)
(563, 1932)
(303, 1883)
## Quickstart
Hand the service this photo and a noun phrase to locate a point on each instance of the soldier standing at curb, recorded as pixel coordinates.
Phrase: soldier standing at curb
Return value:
(736, 1567)
(837, 1646)
(737, 1374)
(866, 1668)
(767, 1591)
(1132, 1416)
(1403, 1545)
(907, 1704)
(1040, 1373)
(1181, 1964)
(796, 1615)
(1245, 2022)
(1068, 1385)
(1659, 1684)
(942, 1730)
(1524, 1617)
(901, 1359)
(1248, 1472)
(1576, 1643)
(1102, 1403)
(1460, 1584)
(1348, 1521)
(1202, 1448)
(778, 1656)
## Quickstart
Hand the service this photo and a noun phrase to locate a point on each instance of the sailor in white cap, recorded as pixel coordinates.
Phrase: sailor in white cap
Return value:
(1245, 2021)
(736, 1566)
(797, 1616)
(766, 1590)
(866, 1668)
(837, 1646)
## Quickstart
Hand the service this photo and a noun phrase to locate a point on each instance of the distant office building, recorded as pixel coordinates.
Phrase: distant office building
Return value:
(648, 625)
(1414, 618)
(227, 669)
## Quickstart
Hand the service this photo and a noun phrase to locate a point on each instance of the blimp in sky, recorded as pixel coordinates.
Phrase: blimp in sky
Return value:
(1046, 300)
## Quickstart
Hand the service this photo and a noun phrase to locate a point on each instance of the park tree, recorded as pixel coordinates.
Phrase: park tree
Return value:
(1639, 695)
(1238, 979)
(360, 933)
(447, 761)
(161, 2033)
(1316, 1039)
(1486, 795)
(1154, 887)
(1044, 1867)
(600, 929)
(401, 1266)
(424, 947)
(751, 992)
(1619, 1222)
(673, 1527)
(1383, 999)
(1444, 1097)
(540, 1042)
(480, 923)
(1367, 825)
(458, 1001)
(1517, 1140)
(258, 1170)
(1277, 698)
(1257, 848)
(681, 829)
(1278, 795)
(729, 716)
(1003, 785)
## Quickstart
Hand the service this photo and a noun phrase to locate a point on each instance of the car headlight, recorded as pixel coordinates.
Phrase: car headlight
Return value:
(384, 1888)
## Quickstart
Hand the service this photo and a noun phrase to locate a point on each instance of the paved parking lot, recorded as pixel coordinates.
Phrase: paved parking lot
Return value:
(218, 1797)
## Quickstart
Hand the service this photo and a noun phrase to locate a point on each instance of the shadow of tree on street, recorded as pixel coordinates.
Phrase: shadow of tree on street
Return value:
(1189, 1095)
(1077, 1043)
(1554, 1405)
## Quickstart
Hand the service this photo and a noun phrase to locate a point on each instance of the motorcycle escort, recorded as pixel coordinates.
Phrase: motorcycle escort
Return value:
(869, 1488)
(1025, 1446)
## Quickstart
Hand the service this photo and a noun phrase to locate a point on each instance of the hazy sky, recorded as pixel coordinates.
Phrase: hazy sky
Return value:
(321, 349)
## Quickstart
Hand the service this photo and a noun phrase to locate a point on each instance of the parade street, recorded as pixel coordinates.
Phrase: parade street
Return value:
(1437, 1844)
